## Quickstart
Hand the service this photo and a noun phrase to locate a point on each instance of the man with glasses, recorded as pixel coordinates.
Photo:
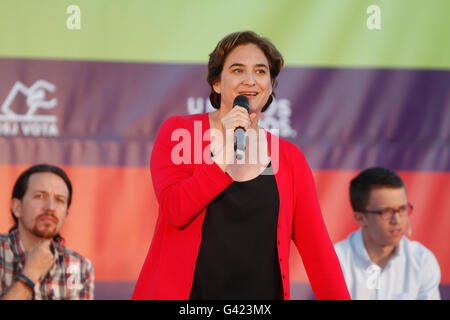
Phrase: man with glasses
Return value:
(378, 261)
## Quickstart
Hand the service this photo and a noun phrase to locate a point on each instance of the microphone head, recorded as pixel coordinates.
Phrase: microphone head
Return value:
(242, 101)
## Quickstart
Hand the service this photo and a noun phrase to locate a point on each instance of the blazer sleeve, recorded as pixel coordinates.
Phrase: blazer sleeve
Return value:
(311, 237)
(183, 192)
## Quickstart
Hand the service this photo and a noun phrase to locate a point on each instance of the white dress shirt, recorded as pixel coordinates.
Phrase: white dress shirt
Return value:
(411, 273)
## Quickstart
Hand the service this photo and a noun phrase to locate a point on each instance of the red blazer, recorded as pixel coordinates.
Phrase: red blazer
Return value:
(184, 190)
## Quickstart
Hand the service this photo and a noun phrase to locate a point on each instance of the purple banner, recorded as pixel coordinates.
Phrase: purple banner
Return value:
(101, 113)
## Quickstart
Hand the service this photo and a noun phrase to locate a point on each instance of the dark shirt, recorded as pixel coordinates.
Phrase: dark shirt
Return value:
(238, 256)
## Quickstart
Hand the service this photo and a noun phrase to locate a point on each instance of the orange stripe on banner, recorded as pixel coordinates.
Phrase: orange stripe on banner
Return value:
(114, 211)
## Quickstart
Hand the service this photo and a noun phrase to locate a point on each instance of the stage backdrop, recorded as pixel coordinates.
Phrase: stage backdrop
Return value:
(86, 85)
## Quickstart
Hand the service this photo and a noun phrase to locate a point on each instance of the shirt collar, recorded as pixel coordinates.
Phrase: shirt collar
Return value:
(17, 246)
(360, 248)
(361, 251)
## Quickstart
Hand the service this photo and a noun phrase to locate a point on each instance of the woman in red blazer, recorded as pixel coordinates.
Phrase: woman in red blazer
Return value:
(225, 225)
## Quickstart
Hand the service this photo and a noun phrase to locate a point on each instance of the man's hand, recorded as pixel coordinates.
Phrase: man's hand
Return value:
(39, 260)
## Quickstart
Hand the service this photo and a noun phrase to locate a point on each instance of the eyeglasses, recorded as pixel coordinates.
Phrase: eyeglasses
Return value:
(388, 213)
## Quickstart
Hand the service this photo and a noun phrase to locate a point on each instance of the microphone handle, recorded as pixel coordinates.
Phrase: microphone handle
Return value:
(240, 137)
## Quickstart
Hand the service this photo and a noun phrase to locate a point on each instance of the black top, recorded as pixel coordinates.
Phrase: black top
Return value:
(238, 256)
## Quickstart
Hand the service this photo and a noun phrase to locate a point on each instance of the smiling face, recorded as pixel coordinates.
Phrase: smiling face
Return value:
(43, 209)
(245, 72)
(382, 232)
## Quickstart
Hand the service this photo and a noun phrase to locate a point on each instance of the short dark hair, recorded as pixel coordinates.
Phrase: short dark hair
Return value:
(226, 45)
(369, 179)
(21, 186)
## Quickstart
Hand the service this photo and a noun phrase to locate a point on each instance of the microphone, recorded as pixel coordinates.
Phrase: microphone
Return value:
(240, 135)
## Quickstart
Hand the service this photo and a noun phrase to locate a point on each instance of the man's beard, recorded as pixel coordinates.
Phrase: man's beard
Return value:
(46, 232)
